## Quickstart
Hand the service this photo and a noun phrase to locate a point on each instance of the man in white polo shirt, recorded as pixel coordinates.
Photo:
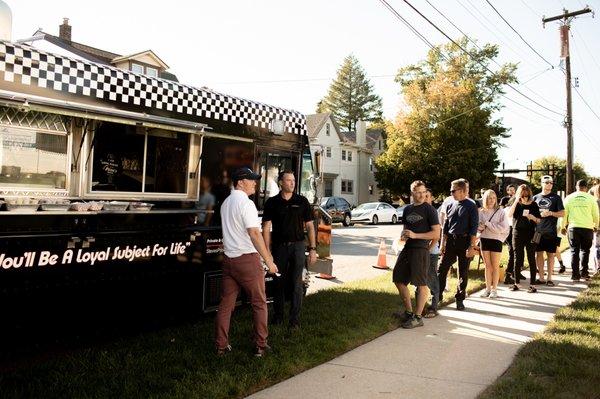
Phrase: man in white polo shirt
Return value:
(243, 242)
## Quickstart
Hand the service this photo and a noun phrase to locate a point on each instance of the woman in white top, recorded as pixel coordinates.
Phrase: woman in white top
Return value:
(493, 230)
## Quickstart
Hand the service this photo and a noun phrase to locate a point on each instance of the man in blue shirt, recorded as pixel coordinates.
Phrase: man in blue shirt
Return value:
(459, 236)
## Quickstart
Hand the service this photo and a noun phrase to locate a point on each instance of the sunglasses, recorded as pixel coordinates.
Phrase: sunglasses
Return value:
(548, 182)
(455, 190)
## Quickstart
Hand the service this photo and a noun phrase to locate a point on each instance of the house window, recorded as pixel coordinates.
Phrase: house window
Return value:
(379, 144)
(152, 72)
(327, 130)
(371, 164)
(328, 152)
(137, 68)
(370, 189)
(347, 186)
(350, 156)
(343, 155)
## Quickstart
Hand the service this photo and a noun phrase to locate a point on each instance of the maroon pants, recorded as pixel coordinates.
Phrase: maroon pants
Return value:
(242, 272)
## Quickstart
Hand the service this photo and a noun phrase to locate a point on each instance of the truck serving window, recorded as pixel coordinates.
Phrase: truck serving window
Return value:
(31, 159)
(134, 159)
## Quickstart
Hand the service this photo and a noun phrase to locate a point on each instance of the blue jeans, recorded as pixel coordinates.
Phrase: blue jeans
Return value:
(432, 281)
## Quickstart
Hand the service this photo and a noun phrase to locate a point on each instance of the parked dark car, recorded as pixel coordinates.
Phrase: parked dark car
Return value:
(338, 208)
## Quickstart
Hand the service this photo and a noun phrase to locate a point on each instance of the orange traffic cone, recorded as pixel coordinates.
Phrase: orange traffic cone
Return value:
(382, 256)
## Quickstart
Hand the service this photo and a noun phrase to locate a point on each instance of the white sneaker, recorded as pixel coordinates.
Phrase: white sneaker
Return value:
(485, 294)
(494, 294)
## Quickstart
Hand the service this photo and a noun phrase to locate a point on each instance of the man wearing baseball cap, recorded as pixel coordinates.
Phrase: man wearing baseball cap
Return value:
(243, 242)
(551, 208)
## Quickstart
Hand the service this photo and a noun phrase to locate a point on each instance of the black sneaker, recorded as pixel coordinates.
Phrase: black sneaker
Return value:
(460, 305)
(224, 351)
(521, 277)
(261, 351)
(415, 321)
(514, 287)
(575, 278)
(532, 289)
(562, 270)
(402, 315)
(508, 280)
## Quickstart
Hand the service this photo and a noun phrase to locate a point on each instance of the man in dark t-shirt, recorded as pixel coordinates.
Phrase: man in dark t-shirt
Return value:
(551, 208)
(288, 214)
(421, 225)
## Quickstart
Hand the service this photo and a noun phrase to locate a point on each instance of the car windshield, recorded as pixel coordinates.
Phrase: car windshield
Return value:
(364, 207)
(324, 201)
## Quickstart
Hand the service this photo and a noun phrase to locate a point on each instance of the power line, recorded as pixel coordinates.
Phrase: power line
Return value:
(479, 62)
(523, 84)
(585, 102)
(537, 14)
(518, 34)
(487, 27)
(412, 28)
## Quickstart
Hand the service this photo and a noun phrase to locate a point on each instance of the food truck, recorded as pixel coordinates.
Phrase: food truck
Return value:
(111, 182)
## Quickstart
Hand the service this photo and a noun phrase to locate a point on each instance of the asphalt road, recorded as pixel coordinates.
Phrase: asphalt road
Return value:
(354, 251)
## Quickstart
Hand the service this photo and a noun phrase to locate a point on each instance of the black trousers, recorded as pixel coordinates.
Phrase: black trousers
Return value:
(580, 240)
(290, 259)
(510, 267)
(522, 244)
(456, 248)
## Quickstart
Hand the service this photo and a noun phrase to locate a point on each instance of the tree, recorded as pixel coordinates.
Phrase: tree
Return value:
(448, 130)
(351, 97)
(560, 167)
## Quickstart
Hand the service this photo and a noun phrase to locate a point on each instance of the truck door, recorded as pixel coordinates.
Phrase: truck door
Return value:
(270, 163)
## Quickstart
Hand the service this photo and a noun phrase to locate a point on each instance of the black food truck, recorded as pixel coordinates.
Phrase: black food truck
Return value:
(111, 184)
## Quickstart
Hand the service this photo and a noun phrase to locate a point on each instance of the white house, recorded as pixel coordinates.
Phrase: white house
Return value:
(347, 159)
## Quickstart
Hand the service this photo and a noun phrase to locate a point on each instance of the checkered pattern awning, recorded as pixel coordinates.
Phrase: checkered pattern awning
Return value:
(30, 66)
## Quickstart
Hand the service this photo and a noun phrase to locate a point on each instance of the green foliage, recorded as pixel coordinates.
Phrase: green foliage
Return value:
(448, 130)
(351, 96)
(560, 176)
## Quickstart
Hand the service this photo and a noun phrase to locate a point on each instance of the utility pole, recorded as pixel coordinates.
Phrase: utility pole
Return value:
(566, 17)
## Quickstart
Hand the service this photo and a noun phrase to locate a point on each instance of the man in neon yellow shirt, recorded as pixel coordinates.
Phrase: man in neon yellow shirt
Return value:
(581, 216)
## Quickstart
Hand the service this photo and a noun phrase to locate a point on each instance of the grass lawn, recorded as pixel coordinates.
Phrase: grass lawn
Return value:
(180, 361)
(561, 362)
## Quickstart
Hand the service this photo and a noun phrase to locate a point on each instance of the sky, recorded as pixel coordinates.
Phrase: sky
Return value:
(286, 53)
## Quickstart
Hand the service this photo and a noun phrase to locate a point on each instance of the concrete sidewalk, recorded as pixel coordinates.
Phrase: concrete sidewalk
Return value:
(455, 355)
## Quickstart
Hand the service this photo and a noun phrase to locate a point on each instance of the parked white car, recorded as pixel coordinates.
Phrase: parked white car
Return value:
(374, 212)
(400, 212)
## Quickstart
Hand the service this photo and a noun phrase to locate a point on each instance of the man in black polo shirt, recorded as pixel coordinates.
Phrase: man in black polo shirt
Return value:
(288, 214)
(459, 236)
